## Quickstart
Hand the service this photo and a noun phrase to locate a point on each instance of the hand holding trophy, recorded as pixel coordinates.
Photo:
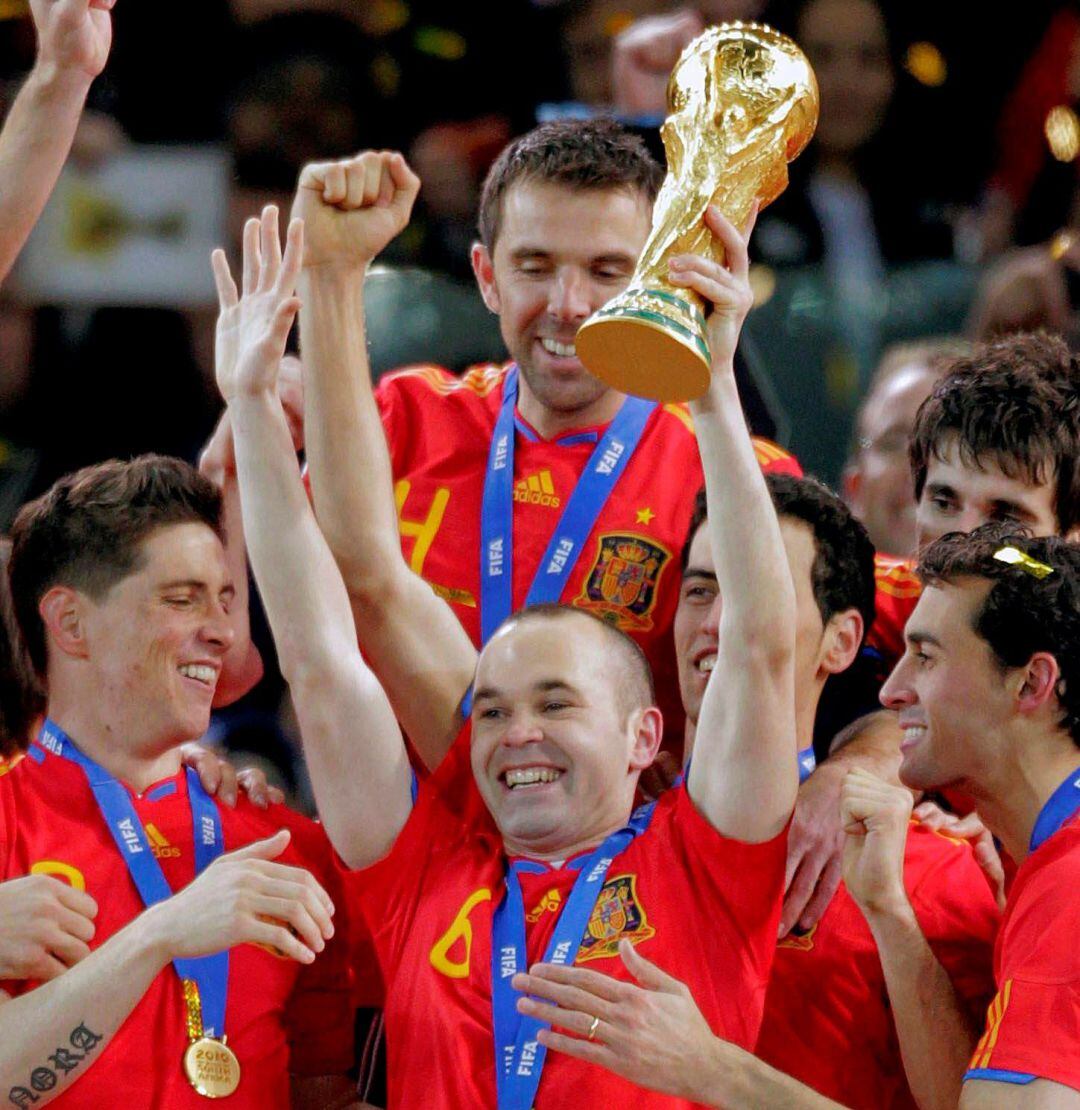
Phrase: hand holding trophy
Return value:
(743, 102)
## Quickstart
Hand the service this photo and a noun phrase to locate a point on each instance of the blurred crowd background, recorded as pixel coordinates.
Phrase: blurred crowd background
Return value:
(932, 208)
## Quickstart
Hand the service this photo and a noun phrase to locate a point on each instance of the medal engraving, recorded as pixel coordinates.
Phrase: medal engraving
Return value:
(212, 1068)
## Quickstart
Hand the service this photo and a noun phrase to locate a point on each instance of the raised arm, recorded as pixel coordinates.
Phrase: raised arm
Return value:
(353, 745)
(937, 1037)
(73, 44)
(743, 773)
(417, 647)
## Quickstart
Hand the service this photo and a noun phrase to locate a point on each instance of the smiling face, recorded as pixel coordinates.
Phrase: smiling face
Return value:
(560, 254)
(951, 694)
(555, 751)
(697, 618)
(957, 497)
(156, 639)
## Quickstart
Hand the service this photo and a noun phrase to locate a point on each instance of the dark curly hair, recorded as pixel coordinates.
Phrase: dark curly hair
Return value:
(579, 154)
(843, 570)
(1014, 402)
(86, 531)
(1022, 614)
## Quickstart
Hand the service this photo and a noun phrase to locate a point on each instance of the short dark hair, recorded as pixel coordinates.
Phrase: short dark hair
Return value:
(87, 531)
(636, 686)
(1022, 614)
(22, 699)
(843, 570)
(1014, 402)
(579, 154)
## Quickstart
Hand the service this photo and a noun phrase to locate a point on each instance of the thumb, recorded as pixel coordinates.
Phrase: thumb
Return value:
(270, 848)
(643, 970)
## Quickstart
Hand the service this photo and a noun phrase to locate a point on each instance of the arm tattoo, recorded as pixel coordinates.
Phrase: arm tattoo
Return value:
(82, 1040)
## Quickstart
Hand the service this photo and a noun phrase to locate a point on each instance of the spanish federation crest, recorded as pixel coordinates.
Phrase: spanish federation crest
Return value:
(621, 587)
(617, 914)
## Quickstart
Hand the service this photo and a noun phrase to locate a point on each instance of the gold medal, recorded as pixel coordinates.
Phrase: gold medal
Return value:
(212, 1068)
(210, 1065)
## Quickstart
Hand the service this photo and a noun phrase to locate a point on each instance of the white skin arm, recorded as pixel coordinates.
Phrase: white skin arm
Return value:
(1043, 1094)
(743, 776)
(936, 1034)
(355, 752)
(654, 1035)
(228, 904)
(416, 645)
(73, 44)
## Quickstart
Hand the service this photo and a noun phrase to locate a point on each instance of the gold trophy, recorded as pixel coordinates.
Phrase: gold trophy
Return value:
(743, 102)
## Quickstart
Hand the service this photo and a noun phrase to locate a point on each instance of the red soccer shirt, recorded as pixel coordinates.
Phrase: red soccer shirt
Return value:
(1033, 1025)
(439, 430)
(280, 1017)
(827, 1017)
(898, 590)
(703, 907)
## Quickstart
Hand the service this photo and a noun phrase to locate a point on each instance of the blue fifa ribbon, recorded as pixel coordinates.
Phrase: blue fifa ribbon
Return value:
(1060, 806)
(613, 451)
(519, 1056)
(807, 763)
(210, 973)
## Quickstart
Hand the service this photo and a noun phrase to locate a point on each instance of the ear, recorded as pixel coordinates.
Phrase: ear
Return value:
(647, 726)
(840, 641)
(851, 488)
(1039, 680)
(62, 611)
(1073, 534)
(484, 269)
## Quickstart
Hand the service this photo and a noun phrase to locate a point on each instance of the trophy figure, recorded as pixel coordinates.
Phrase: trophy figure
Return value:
(743, 102)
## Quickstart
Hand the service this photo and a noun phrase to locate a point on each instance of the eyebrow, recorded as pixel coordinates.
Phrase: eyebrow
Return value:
(195, 584)
(699, 572)
(940, 488)
(916, 637)
(544, 686)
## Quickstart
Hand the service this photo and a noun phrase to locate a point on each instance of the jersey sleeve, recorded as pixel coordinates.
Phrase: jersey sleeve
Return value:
(1033, 1024)
(960, 920)
(774, 459)
(897, 592)
(319, 1017)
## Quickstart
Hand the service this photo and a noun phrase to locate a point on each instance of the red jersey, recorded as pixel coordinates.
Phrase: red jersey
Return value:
(280, 1017)
(1033, 1025)
(898, 590)
(439, 429)
(703, 907)
(827, 1016)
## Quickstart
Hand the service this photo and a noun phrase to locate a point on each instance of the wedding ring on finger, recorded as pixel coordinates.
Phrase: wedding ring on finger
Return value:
(592, 1029)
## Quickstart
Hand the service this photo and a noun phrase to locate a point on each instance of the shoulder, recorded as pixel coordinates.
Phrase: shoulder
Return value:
(309, 846)
(896, 577)
(431, 381)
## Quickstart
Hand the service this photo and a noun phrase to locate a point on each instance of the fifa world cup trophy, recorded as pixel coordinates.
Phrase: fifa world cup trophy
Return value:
(742, 102)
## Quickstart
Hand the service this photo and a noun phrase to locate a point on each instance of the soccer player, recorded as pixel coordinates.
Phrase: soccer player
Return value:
(827, 1026)
(73, 45)
(537, 848)
(575, 492)
(997, 439)
(987, 694)
(121, 588)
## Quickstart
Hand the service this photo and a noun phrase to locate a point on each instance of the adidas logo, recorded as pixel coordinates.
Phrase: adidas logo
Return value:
(161, 848)
(537, 489)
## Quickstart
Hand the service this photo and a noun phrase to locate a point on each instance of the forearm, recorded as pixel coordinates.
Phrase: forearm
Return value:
(415, 643)
(738, 1081)
(34, 144)
(63, 1027)
(936, 1035)
(353, 746)
(743, 775)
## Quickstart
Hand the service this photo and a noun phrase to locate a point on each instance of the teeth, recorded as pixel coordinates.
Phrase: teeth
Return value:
(914, 732)
(562, 350)
(706, 664)
(200, 672)
(526, 776)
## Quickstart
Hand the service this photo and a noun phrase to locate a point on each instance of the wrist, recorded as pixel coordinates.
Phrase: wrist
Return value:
(888, 912)
(345, 275)
(154, 934)
(51, 79)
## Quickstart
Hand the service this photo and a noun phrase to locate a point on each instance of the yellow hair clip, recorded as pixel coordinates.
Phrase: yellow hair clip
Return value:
(1021, 559)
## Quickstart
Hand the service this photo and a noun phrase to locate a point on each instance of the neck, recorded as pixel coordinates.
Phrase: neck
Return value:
(1010, 804)
(128, 756)
(549, 850)
(551, 422)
